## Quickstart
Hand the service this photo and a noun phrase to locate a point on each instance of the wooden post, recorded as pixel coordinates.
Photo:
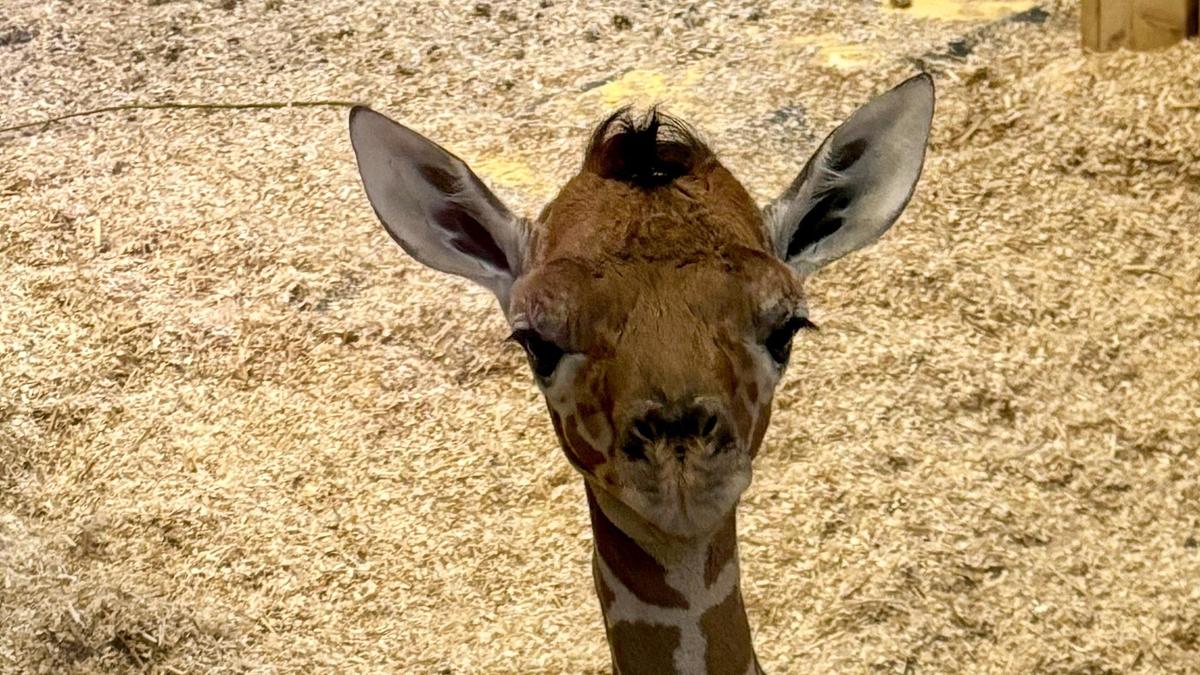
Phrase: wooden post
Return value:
(1137, 24)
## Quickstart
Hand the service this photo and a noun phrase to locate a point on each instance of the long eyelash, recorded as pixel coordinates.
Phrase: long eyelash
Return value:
(517, 334)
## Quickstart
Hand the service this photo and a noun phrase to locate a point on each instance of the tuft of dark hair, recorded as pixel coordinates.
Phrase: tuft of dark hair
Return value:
(647, 151)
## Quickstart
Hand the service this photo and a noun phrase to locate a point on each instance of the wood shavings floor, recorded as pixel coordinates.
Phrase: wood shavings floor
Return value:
(241, 432)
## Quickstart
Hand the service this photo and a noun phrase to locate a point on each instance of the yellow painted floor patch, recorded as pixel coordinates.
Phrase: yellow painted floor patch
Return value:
(636, 86)
(507, 172)
(966, 10)
(832, 50)
(679, 91)
(848, 57)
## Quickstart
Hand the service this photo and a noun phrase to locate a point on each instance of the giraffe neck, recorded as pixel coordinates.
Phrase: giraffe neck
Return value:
(669, 607)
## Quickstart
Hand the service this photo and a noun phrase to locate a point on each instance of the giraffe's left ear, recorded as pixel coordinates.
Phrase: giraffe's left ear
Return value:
(858, 182)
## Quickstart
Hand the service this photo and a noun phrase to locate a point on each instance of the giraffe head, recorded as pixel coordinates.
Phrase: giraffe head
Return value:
(656, 302)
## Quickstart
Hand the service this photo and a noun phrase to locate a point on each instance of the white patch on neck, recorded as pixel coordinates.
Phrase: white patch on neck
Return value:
(685, 575)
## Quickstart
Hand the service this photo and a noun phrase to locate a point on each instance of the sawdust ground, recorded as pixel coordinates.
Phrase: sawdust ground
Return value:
(240, 431)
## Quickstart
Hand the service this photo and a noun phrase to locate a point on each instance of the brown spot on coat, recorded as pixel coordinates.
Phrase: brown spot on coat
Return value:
(644, 648)
(589, 457)
(720, 550)
(593, 422)
(558, 431)
(636, 569)
(607, 597)
(743, 417)
(760, 430)
(727, 634)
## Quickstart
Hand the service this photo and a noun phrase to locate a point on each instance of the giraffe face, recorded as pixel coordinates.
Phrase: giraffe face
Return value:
(657, 305)
(659, 374)
(656, 302)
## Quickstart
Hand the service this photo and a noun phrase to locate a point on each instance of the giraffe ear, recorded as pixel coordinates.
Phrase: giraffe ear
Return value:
(434, 206)
(858, 182)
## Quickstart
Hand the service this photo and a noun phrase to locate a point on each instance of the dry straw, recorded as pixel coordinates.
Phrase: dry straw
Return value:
(241, 432)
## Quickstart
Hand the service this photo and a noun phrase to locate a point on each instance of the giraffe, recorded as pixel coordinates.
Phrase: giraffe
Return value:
(657, 305)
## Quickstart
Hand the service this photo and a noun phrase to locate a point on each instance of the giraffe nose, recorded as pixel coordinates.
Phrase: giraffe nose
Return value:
(681, 428)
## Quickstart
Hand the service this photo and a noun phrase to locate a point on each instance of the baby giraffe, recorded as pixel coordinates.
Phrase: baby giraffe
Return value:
(657, 305)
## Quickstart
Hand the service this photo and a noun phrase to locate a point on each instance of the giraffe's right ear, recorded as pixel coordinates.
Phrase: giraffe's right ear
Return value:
(434, 206)
(858, 182)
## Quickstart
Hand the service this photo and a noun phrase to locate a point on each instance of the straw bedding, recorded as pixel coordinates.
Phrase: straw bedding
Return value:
(241, 431)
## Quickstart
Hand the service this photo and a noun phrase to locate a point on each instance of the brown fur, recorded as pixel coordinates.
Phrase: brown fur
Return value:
(589, 457)
(578, 458)
(637, 570)
(728, 634)
(606, 595)
(721, 550)
(639, 647)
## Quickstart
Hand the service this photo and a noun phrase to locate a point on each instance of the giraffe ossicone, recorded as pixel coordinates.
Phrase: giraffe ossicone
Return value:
(657, 305)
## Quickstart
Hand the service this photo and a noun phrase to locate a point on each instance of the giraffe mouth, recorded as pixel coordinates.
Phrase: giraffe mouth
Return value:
(682, 497)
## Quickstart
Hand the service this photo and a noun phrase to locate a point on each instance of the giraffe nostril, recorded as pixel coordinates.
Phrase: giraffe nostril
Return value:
(643, 429)
(634, 449)
(688, 428)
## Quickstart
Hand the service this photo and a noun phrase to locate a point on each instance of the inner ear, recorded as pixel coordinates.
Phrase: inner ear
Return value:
(434, 206)
(858, 181)
(821, 221)
(844, 156)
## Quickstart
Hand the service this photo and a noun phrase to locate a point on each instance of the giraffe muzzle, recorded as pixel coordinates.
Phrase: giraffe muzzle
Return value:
(682, 468)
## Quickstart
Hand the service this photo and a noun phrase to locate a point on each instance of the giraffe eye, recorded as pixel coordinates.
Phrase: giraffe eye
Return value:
(543, 354)
(779, 342)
